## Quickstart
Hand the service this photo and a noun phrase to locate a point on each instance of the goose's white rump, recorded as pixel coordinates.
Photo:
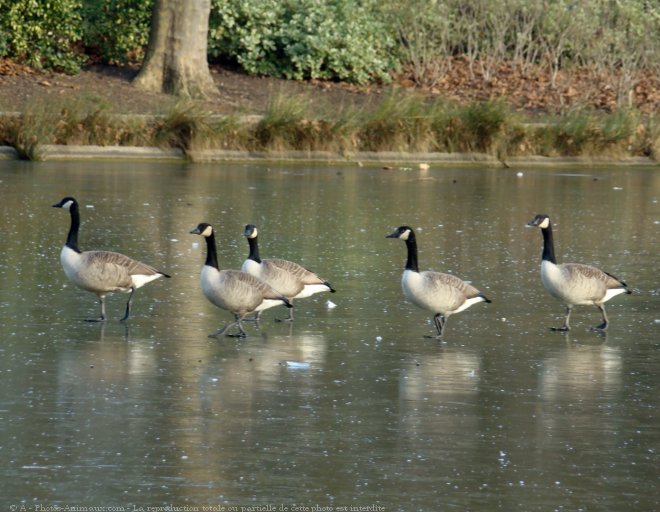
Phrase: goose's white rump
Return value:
(289, 278)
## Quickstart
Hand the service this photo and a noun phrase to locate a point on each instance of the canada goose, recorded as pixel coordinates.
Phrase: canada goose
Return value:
(574, 283)
(101, 272)
(234, 290)
(290, 279)
(442, 294)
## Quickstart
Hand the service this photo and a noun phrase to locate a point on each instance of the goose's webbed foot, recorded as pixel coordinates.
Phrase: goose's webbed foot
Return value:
(99, 319)
(432, 337)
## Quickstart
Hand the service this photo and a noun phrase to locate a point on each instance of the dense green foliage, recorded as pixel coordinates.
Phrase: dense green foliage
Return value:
(116, 31)
(354, 40)
(42, 34)
(340, 39)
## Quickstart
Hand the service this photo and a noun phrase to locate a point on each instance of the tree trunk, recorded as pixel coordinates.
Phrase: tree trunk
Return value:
(176, 59)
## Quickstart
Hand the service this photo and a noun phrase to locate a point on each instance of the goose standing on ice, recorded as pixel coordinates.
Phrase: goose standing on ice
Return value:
(573, 283)
(101, 272)
(442, 294)
(290, 279)
(234, 290)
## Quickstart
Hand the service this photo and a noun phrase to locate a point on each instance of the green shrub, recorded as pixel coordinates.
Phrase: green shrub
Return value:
(118, 30)
(42, 34)
(339, 39)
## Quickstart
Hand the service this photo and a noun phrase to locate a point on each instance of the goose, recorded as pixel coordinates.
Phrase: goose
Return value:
(442, 294)
(574, 283)
(234, 290)
(101, 272)
(290, 279)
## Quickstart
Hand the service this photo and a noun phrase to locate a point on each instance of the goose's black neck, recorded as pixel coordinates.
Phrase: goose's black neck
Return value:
(211, 253)
(254, 250)
(548, 245)
(72, 237)
(411, 245)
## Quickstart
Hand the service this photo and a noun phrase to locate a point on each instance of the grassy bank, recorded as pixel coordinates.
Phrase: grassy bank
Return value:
(398, 122)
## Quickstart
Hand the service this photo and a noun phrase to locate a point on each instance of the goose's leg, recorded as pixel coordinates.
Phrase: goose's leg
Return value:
(440, 322)
(222, 331)
(255, 318)
(128, 306)
(565, 327)
(241, 332)
(606, 322)
(102, 317)
(288, 318)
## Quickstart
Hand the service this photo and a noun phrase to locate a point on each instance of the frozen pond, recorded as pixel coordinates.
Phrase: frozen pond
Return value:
(502, 415)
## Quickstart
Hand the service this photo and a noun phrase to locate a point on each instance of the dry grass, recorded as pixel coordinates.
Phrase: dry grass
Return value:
(401, 121)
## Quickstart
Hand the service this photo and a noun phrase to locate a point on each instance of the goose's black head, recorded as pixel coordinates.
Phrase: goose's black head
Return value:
(540, 221)
(250, 231)
(67, 203)
(204, 229)
(402, 232)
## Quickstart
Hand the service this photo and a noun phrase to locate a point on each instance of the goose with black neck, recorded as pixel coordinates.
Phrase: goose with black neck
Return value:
(101, 272)
(442, 294)
(575, 284)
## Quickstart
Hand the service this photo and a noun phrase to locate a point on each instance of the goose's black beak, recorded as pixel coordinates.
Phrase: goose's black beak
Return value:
(536, 221)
